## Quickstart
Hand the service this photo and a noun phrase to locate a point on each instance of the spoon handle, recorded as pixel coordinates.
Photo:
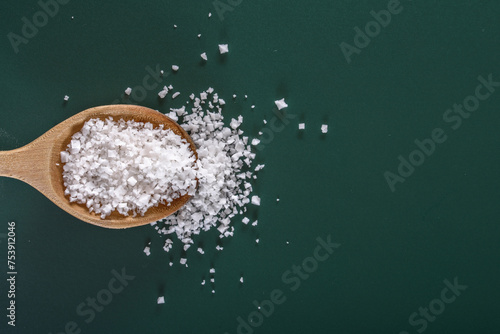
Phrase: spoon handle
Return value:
(27, 163)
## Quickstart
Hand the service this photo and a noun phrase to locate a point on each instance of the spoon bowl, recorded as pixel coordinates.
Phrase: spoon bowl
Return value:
(39, 163)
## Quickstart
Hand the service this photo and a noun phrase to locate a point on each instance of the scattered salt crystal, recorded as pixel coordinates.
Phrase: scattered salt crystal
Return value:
(281, 104)
(147, 250)
(234, 96)
(222, 102)
(183, 261)
(175, 68)
(128, 90)
(203, 282)
(255, 141)
(163, 92)
(241, 279)
(256, 200)
(199, 35)
(212, 270)
(161, 300)
(255, 223)
(253, 107)
(171, 264)
(175, 26)
(200, 250)
(302, 126)
(257, 240)
(204, 56)
(66, 97)
(324, 128)
(223, 48)
(259, 167)
(213, 291)
(209, 14)
(277, 199)
(174, 95)
(212, 280)
(245, 220)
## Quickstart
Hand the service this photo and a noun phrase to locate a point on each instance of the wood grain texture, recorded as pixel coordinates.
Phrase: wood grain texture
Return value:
(39, 163)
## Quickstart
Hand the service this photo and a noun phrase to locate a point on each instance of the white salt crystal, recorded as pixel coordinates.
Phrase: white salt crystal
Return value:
(255, 141)
(147, 250)
(161, 300)
(209, 14)
(302, 126)
(324, 128)
(255, 223)
(223, 48)
(281, 104)
(183, 261)
(257, 240)
(174, 95)
(212, 280)
(259, 167)
(204, 56)
(245, 220)
(241, 279)
(256, 200)
(163, 92)
(200, 250)
(175, 68)
(128, 90)
(132, 181)
(212, 270)
(203, 282)
(199, 35)
(66, 97)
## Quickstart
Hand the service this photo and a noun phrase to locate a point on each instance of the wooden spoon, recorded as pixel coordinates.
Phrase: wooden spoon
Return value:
(39, 163)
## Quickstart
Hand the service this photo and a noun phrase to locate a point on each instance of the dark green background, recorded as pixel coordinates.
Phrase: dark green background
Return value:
(397, 248)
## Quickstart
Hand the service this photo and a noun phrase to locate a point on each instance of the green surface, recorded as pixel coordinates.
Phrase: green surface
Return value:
(397, 247)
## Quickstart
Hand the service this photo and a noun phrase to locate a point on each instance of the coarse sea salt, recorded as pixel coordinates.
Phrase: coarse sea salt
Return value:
(281, 104)
(127, 166)
(223, 48)
(222, 169)
(324, 128)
